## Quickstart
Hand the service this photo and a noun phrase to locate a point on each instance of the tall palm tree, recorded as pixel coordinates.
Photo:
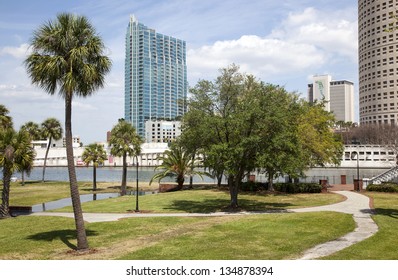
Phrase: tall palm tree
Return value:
(68, 58)
(33, 129)
(50, 129)
(16, 153)
(96, 154)
(124, 141)
(5, 119)
(178, 163)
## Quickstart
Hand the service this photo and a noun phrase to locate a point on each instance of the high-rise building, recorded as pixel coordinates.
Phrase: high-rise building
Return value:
(162, 131)
(338, 96)
(378, 61)
(155, 76)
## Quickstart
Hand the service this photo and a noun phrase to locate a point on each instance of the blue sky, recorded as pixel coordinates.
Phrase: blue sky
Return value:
(280, 42)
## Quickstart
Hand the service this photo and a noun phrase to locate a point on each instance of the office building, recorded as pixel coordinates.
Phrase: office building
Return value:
(378, 61)
(162, 131)
(155, 76)
(338, 96)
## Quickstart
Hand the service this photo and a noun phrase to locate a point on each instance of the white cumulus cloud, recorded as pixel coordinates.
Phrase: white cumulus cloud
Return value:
(17, 52)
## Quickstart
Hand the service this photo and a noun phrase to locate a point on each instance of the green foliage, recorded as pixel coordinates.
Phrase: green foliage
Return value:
(383, 187)
(252, 186)
(5, 118)
(298, 187)
(94, 153)
(178, 163)
(124, 140)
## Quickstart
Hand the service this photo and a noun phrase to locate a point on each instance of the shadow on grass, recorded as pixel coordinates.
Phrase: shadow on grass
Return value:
(214, 205)
(393, 213)
(63, 235)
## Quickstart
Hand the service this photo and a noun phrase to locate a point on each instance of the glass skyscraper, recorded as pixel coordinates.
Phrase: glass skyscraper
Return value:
(155, 76)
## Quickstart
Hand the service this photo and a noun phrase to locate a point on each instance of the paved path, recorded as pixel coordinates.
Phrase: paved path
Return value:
(355, 204)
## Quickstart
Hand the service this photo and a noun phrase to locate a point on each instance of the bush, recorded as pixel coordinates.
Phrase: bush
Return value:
(252, 186)
(298, 187)
(383, 187)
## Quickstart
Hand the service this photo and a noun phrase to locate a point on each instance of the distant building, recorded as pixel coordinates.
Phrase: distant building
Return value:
(155, 76)
(378, 62)
(162, 131)
(338, 96)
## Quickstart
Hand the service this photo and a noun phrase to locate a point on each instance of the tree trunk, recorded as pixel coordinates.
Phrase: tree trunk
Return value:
(124, 175)
(23, 178)
(94, 177)
(180, 182)
(45, 158)
(82, 243)
(233, 191)
(271, 181)
(5, 196)
(219, 180)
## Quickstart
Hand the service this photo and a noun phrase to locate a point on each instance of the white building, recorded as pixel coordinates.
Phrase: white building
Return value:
(339, 96)
(162, 131)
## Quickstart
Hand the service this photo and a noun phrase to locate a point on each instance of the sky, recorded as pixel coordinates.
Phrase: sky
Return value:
(280, 42)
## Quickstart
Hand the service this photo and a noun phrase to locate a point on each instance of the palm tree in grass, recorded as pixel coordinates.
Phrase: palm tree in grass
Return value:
(124, 142)
(33, 129)
(96, 154)
(16, 153)
(68, 57)
(178, 163)
(50, 129)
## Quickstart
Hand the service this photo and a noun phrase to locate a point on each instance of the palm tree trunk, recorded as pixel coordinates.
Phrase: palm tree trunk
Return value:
(82, 243)
(94, 177)
(45, 158)
(124, 175)
(5, 196)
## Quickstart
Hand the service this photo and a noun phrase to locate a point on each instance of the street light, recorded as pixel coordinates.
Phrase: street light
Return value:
(356, 142)
(136, 195)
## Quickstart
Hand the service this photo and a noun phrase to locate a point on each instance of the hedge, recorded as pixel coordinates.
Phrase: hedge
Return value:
(383, 187)
(298, 187)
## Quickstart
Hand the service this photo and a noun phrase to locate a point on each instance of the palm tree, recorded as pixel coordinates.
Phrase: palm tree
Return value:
(5, 119)
(96, 154)
(33, 129)
(178, 163)
(16, 153)
(124, 141)
(50, 129)
(68, 58)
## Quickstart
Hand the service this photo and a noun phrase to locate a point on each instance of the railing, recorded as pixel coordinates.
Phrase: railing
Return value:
(386, 176)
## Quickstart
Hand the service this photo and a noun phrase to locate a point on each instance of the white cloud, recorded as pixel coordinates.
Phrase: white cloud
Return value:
(259, 56)
(17, 52)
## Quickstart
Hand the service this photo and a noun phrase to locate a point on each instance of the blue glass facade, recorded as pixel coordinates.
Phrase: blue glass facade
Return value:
(155, 76)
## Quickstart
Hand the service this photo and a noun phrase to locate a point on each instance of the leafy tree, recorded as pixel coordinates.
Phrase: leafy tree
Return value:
(96, 154)
(50, 129)
(124, 141)
(68, 58)
(16, 153)
(241, 124)
(178, 163)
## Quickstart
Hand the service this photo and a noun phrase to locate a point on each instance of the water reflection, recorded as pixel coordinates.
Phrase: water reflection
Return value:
(52, 205)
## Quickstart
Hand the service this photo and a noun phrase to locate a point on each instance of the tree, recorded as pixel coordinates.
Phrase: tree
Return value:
(178, 163)
(50, 129)
(16, 153)
(124, 141)
(241, 124)
(33, 129)
(5, 119)
(96, 154)
(68, 58)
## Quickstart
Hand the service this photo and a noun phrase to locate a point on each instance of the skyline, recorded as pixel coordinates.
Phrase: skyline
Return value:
(280, 43)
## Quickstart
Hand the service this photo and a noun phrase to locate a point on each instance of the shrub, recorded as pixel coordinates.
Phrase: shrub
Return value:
(383, 187)
(252, 186)
(298, 187)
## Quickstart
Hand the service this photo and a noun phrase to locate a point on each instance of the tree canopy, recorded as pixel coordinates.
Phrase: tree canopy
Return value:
(241, 124)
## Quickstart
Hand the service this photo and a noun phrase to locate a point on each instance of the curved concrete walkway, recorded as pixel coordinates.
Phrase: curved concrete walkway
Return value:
(355, 204)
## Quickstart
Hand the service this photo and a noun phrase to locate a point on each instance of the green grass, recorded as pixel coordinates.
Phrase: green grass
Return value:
(206, 201)
(384, 244)
(270, 236)
(275, 236)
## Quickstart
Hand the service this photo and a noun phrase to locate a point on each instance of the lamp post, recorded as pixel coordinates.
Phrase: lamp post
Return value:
(356, 142)
(136, 194)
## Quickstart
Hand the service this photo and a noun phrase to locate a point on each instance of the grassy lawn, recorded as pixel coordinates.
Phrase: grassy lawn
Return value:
(271, 236)
(206, 201)
(384, 244)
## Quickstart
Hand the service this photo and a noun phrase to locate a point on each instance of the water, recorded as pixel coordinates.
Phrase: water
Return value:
(114, 174)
